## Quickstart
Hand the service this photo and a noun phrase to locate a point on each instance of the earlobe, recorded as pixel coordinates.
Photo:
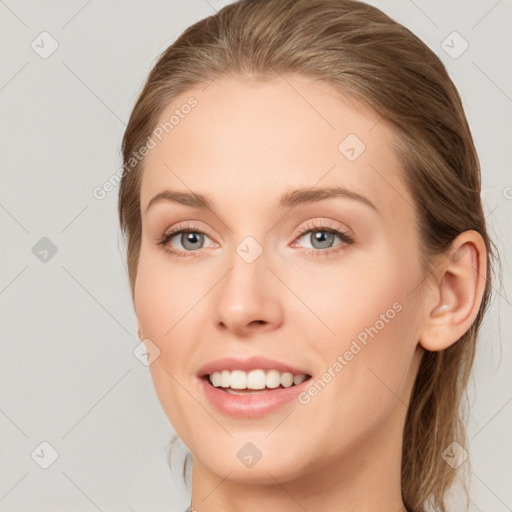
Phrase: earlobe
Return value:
(456, 295)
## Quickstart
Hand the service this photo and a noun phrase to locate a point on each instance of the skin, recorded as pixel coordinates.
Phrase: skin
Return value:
(244, 145)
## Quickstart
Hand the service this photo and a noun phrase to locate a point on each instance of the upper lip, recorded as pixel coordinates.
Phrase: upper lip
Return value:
(251, 363)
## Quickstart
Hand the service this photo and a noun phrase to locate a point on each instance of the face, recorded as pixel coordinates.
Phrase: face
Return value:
(306, 255)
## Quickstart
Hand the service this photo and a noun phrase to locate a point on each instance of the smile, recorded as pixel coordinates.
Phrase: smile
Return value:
(242, 382)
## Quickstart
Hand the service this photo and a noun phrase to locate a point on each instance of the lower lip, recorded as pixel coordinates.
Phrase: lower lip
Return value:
(250, 405)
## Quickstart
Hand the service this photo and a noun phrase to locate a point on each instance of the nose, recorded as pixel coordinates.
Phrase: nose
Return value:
(249, 298)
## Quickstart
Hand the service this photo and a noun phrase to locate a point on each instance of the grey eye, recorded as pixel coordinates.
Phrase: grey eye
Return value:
(324, 239)
(192, 240)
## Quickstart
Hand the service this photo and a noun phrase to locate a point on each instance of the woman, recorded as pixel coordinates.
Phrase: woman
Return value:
(308, 257)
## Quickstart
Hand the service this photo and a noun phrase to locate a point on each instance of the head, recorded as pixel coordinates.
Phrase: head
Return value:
(268, 98)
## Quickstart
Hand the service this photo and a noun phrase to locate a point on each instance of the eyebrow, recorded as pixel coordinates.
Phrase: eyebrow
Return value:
(287, 200)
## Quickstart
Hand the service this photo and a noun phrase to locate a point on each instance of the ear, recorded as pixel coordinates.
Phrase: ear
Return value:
(455, 295)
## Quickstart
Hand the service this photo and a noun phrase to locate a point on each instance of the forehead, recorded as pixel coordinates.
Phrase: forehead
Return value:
(248, 138)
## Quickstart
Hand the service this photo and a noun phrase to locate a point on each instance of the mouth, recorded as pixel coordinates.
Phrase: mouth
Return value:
(257, 381)
(251, 387)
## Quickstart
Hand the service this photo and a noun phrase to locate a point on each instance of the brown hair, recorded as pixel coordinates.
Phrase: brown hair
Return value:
(378, 62)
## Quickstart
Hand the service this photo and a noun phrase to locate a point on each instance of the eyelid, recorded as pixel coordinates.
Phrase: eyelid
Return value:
(183, 226)
(325, 225)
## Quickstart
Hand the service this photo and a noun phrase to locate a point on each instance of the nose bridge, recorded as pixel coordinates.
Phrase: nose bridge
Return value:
(246, 296)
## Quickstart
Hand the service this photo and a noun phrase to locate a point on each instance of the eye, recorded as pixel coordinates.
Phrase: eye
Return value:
(182, 240)
(187, 240)
(190, 240)
(322, 239)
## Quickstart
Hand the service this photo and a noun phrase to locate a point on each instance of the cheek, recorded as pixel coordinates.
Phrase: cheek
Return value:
(364, 382)
(164, 309)
(162, 295)
(360, 297)
(374, 322)
(161, 304)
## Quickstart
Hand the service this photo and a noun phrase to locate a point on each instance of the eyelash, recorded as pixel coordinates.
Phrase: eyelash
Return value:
(190, 228)
(345, 238)
(167, 236)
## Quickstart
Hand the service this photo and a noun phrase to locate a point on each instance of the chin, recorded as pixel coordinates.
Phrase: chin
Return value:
(263, 472)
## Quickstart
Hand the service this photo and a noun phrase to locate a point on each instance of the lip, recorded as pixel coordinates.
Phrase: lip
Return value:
(252, 405)
(251, 363)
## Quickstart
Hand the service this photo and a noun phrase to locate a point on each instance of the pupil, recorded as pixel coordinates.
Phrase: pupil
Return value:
(323, 238)
(190, 238)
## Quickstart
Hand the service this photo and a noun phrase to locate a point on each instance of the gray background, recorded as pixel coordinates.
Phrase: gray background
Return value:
(68, 373)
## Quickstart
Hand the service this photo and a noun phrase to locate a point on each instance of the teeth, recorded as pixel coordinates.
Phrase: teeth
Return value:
(297, 379)
(255, 379)
(273, 379)
(225, 378)
(215, 379)
(287, 380)
(238, 379)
